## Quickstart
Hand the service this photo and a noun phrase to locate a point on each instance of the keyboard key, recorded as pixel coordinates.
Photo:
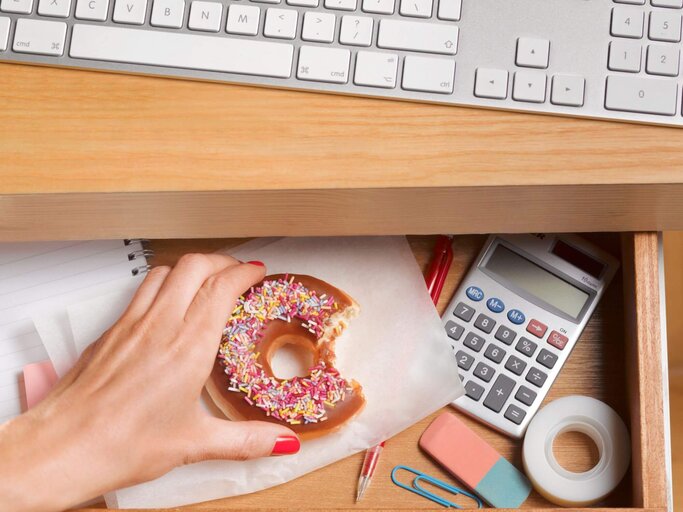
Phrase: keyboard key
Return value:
(515, 365)
(428, 74)
(418, 36)
(484, 372)
(95, 10)
(484, 323)
(495, 305)
(377, 69)
(18, 6)
(357, 31)
(491, 83)
(474, 293)
(674, 4)
(624, 56)
(505, 335)
(341, 5)
(453, 330)
(662, 59)
(473, 390)
(634, 94)
(318, 26)
(515, 414)
(494, 353)
(532, 52)
(416, 8)
(627, 22)
(280, 23)
(4, 33)
(536, 377)
(634, 2)
(38, 36)
(529, 86)
(500, 391)
(267, 1)
(567, 90)
(525, 395)
(463, 311)
(303, 3)
(449, 10)
(56, 8)
(665, 26)
(464, 360)
(547, 358)
(160, 48)
(474, 342)
(558, 340)
(323, 64)
(130, 11)
(378, 6)
(537, 328)
(167, 13)
(526, 347)
(205, 16)
(243, 19)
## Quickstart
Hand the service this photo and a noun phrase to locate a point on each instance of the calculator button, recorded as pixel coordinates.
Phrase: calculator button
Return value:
(558, 340)
(473, 390)
(536, 328)
(547, 358)
(536, 377)
(485, 323)
(495, 305)
(474, 342)
(500, 391)
(473, 293)
(505, 335)
(526, 347)
(464, 360)
(516, 316)
(525, 395)
(515, 414)
(454, 330)
(484, 372)
(495, 354)
(463, 312)
(515, 365)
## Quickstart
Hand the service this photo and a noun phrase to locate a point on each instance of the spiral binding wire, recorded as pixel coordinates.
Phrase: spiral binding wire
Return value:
(145, 252)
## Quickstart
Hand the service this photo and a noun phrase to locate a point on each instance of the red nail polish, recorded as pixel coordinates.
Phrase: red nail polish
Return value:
(286, 445)
(257, 263)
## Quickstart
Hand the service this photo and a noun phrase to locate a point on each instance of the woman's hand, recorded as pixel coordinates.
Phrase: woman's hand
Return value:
(129, 410)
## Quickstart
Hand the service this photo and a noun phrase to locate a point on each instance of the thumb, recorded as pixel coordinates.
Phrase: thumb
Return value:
(241, 440)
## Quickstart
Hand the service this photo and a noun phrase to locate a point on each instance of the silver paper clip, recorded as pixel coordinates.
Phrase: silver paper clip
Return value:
(418, 489)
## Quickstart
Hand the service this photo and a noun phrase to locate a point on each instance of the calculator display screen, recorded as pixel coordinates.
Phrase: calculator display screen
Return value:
(537, 281)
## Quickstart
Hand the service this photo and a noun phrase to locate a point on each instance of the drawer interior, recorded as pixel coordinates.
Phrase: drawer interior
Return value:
(617, 360)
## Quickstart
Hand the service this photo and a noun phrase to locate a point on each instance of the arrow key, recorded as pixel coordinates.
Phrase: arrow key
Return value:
(568, 90)
(491, 83)
(532, 52)
(529, 86)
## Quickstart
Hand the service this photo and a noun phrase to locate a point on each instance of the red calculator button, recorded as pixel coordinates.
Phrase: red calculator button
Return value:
(536, 328)
(558, 340)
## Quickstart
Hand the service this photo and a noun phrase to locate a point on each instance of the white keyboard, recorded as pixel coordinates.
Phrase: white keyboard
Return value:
(609, 59)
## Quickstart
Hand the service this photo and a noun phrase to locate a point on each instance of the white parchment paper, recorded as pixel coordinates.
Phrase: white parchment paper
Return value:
(396, 349)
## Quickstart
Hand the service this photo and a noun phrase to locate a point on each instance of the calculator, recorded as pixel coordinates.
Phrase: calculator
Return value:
(516, 317)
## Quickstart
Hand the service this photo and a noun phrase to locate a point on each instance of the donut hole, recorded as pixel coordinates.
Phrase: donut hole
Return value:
(292, 357)
(576, 451)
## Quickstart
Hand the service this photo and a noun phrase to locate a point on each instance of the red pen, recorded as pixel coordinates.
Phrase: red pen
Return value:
(442, 257)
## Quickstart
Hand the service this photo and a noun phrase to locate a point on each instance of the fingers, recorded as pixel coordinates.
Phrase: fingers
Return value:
(146, 294)
(240, 440)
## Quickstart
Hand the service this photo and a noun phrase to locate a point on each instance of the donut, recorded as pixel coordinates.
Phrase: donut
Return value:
(286, 309)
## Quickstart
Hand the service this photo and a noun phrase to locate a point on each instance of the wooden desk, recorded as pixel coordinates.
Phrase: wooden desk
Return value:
(88, 154)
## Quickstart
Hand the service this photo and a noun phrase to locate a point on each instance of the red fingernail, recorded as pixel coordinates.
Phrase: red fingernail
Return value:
(286, 445)
(257, 263)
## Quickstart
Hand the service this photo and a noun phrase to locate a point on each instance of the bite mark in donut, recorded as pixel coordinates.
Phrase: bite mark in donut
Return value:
(283, 309)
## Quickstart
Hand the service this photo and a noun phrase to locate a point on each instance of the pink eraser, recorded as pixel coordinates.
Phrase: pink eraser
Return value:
(474, 462)
(39, 378)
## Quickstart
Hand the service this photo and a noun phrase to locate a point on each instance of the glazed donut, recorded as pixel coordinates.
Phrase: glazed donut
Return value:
(285, 309)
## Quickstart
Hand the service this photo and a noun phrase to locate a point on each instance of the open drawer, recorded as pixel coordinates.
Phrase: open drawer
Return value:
(620, 360)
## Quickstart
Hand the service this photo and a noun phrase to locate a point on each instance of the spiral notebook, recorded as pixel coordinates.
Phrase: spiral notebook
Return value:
(41, 276)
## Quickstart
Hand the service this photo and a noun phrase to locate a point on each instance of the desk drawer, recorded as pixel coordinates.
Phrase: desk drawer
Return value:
(619, 359)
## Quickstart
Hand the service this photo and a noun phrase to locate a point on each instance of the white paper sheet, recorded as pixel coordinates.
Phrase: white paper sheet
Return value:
(396, 349)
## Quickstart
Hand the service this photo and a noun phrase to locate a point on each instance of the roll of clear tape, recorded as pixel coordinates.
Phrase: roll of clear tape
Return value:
(588, 416)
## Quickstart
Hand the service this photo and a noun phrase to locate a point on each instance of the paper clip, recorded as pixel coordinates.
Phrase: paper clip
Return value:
(421, 491)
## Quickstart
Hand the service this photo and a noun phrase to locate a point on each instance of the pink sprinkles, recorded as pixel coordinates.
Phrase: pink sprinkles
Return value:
(297, 400)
